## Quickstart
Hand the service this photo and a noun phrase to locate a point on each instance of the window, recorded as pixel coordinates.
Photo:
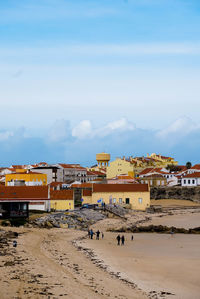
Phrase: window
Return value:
(188, 181)
(120, 200)
(184, 181)
(140, 200)
(114, 200)
(24, 206)
(193, 182)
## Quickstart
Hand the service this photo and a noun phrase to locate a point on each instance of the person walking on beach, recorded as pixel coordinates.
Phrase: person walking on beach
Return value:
(118, 239)
(91, 234)
(102, 235)
(172, 232)
(132, 238)
(122, 240)
(97, 235)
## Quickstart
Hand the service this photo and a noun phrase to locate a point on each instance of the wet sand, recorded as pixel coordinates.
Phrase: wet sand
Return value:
(185, 220)
(158, 263)
(174, 203)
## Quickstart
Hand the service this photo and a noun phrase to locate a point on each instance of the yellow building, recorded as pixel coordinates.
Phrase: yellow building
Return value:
(87, 196)
(23, 177)
(134, 165)
(137, 196)
(162, 160)
(61, 200)
(118, 167)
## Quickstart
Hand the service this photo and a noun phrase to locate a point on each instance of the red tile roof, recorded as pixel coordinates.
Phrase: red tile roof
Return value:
(54, 184)
(192, 175)
(96, 173)
(75, 166)
(120, 188)
(18, 166)
(181, 167)
(156, 175)
(24, 173)
(23, 192)
(197, 166)
(145, 171)
(152, 170)
(83, 185)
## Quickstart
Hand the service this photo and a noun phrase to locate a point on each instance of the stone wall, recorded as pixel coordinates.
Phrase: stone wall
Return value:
(186, 193)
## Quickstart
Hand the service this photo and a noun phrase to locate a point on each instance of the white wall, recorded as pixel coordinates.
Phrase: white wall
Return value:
(44, 206)
(50, 174)
(38, 207)
(29, 183)
(190, 182)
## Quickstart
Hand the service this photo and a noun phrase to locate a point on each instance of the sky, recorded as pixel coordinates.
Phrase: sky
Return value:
(78, 77)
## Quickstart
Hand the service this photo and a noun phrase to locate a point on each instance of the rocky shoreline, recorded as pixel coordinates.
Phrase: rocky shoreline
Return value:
(162, 229)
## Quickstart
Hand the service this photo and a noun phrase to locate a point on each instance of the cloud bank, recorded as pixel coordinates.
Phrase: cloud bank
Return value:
(80, 143)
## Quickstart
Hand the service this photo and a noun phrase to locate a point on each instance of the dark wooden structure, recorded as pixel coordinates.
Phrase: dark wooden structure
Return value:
(14, 209)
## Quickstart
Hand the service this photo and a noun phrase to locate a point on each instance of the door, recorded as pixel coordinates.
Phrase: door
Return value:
(127, 201)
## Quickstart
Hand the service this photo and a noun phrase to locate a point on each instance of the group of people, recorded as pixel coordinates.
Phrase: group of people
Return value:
(91, 233)
(120, 238)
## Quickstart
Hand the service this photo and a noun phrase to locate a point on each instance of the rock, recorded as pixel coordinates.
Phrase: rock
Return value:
(176, 192)
(6, 223)
(80, 219)
(49, 224)
(62, 225)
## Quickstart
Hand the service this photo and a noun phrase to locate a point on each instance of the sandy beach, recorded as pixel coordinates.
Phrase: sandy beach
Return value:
(64, 263)
(47, 265)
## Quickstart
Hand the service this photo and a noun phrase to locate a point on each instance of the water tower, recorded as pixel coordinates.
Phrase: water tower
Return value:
(102, 159)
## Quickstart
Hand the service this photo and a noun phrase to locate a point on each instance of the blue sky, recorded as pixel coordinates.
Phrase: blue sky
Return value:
(82, 76)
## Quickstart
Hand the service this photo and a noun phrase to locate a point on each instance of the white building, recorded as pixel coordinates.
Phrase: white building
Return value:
(54, 174)
(191, 180)
(193, 169)
(73, 172)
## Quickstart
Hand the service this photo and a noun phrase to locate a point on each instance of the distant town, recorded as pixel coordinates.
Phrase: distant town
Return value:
(123, 181)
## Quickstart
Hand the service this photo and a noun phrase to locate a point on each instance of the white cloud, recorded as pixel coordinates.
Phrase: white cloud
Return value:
(82, 130)
(179, 128)
(180, 139)
(120, 125)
